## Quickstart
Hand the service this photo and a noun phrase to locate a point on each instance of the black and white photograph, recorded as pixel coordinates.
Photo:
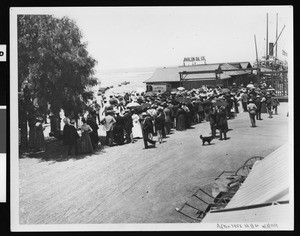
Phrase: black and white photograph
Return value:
(151, 118)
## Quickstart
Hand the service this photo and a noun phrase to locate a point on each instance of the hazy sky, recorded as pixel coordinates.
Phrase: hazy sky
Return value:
(124, 37)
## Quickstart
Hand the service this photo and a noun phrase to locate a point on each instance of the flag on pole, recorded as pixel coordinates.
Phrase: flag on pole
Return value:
(284, 53)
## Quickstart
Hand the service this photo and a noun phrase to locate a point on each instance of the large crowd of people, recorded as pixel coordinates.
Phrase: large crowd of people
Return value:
(151, 116)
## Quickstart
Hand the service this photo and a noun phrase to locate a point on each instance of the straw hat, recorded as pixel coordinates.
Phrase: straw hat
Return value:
(144, 114)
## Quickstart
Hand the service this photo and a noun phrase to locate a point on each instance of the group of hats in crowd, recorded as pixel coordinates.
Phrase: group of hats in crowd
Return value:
(159, 100)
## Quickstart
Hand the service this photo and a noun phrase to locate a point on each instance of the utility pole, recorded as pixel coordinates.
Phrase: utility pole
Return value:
(276, 32)
(256, 51)
(267, 41)
(258, 71)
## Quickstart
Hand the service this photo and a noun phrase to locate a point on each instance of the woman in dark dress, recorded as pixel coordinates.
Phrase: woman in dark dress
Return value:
(159, 124)
(86, 143)
(201, 110)
(180, 119)
(222, 122)
(40, 143)
(94, 134)
(206, 107)
(32, 131)
(72, 137)
(66, 131)
(118, 131)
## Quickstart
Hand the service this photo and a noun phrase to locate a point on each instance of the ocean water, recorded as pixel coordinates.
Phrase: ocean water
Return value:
(114, 77)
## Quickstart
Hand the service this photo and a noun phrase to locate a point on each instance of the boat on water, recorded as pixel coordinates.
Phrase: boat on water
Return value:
(125, 83)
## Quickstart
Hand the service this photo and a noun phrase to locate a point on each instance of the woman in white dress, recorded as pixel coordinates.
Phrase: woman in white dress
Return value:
(136, 130)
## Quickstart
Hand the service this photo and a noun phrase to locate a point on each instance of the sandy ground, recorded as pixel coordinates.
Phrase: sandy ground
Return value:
(128, 184)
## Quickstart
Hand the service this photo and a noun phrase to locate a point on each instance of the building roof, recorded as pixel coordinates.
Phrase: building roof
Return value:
(227, 66)
(268, 181)
(171, 74)
(245, 65)
(270, 213)
(241, 65)
(204, 76)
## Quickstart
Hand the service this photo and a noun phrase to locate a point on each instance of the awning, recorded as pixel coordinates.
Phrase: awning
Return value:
(267, 184)
(268, 181)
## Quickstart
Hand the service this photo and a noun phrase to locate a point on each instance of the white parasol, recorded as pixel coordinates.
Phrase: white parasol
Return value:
(180, 88)
(133, 104)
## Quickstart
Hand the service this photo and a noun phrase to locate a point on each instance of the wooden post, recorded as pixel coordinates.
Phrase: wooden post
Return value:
(256, 51)
(258, 66)
(267, 41)
(180, 79)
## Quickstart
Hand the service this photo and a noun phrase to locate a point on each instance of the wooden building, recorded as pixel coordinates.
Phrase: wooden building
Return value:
(189, 77)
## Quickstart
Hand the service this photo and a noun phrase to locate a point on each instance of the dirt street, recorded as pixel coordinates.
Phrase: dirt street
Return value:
(128, 184)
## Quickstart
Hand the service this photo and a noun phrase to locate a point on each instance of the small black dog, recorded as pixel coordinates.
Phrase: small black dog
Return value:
(206, 139)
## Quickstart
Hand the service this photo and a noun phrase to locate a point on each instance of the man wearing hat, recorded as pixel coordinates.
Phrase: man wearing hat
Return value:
(108, 124)
(275, 103)
(147, 128)
(244, 99)
(269, 104)
(252, 112)
(258, 104)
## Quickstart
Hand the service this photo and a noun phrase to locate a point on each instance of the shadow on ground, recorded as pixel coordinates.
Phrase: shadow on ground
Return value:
(56, 152)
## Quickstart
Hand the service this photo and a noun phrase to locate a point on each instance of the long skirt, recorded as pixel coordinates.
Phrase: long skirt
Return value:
(86, 143)
(181, 122)
(137, 130)
(40, 143)
(32, 138)
(94, 138)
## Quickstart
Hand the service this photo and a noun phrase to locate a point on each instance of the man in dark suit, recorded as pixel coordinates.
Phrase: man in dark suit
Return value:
(147, 127)
(128, 124)
(269, 105)
(258, 104)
